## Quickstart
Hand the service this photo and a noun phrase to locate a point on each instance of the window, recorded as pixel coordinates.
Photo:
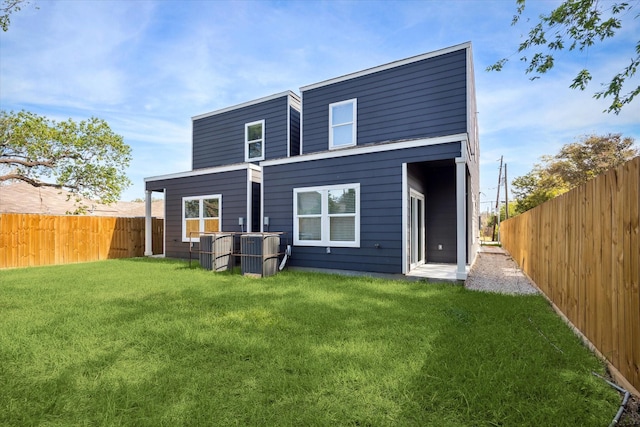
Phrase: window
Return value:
(254, 141)
(342, 124)
(327, 216)
(200, 214)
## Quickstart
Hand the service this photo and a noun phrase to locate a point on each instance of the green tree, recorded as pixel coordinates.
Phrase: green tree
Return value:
(512, 210)
(85, 158)
(535, 188)
(7, 7)
(591, 155)
(577, 24)
(575, 164)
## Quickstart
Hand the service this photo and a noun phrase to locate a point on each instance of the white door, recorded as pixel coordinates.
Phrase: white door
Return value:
(417, 229)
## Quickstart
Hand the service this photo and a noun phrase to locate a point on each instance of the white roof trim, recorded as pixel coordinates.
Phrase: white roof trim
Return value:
(390, 65)
(365, 149)
(205, 171)
(248, 103)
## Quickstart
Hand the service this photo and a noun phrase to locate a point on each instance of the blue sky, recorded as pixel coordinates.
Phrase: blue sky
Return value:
(147, 67)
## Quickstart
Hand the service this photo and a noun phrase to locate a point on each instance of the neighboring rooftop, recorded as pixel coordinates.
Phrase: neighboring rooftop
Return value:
(20, 197)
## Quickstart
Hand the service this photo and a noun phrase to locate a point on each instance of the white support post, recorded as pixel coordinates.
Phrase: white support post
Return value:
(461, 218)
(148, 242)
(405, 210)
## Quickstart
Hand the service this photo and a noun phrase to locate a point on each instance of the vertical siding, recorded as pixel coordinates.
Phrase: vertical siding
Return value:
(425, 98)
(231, 185)
(294, 138)
(219, 139)
(255, 206)
(380, 178)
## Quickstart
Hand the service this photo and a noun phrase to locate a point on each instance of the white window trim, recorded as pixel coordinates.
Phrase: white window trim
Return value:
(325, 217)
(186, 238)
(246, 141)
(354, 123)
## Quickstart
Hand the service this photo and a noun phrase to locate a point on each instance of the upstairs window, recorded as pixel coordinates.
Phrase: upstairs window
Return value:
(327, 216)
(200, 214)
(254, 141)
(342, 124)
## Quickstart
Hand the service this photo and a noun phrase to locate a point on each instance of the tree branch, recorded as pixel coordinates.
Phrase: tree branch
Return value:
(34, 182)
(11, 161)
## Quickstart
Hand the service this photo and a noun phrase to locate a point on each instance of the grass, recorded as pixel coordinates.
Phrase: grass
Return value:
(152, 343)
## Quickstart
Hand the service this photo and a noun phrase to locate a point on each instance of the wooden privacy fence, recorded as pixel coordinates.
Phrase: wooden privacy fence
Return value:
(28, 240)
(582, 250)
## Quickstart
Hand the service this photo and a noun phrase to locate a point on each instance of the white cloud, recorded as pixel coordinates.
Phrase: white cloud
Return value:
(147, 67)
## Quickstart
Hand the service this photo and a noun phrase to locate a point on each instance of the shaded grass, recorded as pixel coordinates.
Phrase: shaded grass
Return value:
(152, 342)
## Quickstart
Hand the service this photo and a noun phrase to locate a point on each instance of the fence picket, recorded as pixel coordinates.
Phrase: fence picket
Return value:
(582, 249)
(28, 240)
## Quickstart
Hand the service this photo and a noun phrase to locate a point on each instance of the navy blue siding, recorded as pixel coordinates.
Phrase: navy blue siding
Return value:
(255, 206)
(380, 178)
(219, 139)
(441, 214)
(426, 98)
(233, 187)
(294, 143)
(437, 182)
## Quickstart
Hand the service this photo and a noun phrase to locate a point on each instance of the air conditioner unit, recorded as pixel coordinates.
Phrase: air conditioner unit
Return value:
(215, 251)
(259, 254)
(205, 252)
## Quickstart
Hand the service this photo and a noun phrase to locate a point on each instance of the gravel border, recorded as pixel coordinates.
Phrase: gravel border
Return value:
(495, 271)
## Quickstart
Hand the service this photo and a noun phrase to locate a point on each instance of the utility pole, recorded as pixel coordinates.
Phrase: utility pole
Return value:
(506, 194)
(497, 203)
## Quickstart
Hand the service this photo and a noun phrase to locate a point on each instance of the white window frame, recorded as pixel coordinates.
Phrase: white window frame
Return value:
(247, 142)
(185, 237)
(354, 123)
(325, 233)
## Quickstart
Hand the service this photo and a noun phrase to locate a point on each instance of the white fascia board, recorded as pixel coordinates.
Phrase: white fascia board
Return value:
(295, 101)
(300, 150)
(247, 104)
(366, 149)
(388, 66)
(205, 171)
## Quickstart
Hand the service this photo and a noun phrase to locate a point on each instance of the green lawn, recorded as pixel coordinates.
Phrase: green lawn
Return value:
(152, 342)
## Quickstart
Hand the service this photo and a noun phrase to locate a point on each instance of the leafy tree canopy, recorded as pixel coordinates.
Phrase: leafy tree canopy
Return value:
(85, 158)
(578, 24)
(7, 7)
(575, 164)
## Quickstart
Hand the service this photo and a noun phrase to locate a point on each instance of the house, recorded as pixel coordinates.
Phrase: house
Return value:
(373, 171)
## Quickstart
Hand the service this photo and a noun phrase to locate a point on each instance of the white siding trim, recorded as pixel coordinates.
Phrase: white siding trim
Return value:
(245, 104)
(148, 249)
(387, 66)
(262, 141)
(354, 124)
(366, 149)
(461, 218)
(262, 204)
(201, 218)
(206, 171)
(405, 212)
(249, 200)
(301, 123)
(325, 239)
(288, 126)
